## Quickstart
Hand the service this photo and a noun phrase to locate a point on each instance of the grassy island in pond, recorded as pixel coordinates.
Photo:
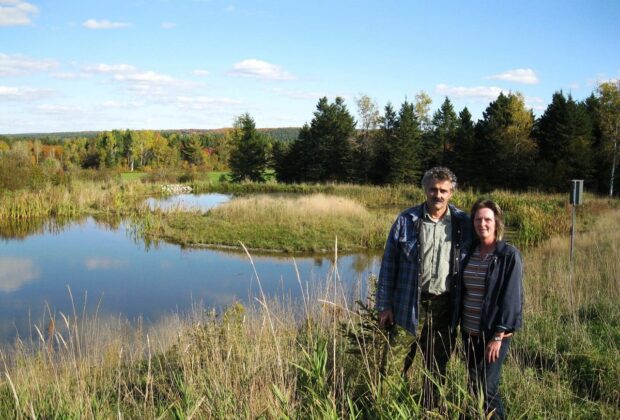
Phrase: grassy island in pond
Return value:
(303, 223)
(308, 218)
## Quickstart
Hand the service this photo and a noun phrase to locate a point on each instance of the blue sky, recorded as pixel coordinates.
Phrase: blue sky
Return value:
(163, 64)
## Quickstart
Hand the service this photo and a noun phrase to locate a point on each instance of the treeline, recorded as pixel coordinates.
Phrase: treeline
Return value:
(507, 148)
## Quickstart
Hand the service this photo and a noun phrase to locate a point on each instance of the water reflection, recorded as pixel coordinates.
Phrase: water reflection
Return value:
(103, 265)
(188, 202)
(16, 272)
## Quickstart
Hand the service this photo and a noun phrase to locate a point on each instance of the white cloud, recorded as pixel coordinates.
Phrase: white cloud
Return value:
(18, 65)
(58, 109)
(68, 75)
(200, 73)
(147, 85)
(204, 102)
(478, 92)
(104, 24)
(16, 272)
(148, 77)
(113, 104)
(525, 76)
(110, 68)
(16, 12)
(298, 94)
(168, 25)
(23, 93)
(259, 69)
(103, 263)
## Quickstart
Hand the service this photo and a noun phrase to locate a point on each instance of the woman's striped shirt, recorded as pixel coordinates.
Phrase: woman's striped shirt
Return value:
(474, 281)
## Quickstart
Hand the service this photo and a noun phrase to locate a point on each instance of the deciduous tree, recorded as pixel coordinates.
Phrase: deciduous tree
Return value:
(609, 97)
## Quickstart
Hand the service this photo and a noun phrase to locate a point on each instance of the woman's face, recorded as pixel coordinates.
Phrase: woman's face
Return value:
(484, 224)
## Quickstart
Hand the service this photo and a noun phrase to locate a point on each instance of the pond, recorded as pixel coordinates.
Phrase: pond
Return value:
(105, 268)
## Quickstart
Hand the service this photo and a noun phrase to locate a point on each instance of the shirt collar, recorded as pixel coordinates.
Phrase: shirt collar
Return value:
(447, 217)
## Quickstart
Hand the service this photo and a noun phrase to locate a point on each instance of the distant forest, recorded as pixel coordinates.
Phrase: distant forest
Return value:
(507, 148)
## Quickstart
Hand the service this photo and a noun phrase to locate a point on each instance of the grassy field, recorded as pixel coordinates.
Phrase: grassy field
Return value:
(317, 358)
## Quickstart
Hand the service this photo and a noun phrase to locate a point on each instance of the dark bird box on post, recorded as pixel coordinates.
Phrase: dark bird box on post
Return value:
(576, 192)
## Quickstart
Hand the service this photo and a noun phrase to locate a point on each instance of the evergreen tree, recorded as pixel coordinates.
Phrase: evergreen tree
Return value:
(592, 107)
(383, 153)
(439, 144)
(282, 160)
(564, 135)
(465, 159)
(334, 128)
(107, 149)
(404, 148)
(249, 157)
(506, 151)
(191, 150)
(323, 150)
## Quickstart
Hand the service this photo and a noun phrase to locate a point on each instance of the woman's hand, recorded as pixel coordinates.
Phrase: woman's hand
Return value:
(493, 348)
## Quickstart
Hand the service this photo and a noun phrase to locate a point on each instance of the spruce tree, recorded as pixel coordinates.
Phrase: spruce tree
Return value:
(439, 144)
(249, 157)
(564, 136)
(465, 159)
(404, 145)
(506, 150)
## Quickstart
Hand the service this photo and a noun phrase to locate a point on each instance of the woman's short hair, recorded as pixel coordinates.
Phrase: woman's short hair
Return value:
(485, 203)
(438, 173)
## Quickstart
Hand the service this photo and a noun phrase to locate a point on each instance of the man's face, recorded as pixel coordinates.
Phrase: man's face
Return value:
(438, 194)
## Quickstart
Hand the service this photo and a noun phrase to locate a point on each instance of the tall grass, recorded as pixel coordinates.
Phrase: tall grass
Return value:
(569, 352)
(303, 223)
(317, 357)
(76, 199)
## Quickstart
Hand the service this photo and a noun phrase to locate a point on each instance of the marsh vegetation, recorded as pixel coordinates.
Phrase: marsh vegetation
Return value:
(314, 356)
(317, 357)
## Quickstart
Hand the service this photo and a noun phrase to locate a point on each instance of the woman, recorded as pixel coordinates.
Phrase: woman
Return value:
(488, 301)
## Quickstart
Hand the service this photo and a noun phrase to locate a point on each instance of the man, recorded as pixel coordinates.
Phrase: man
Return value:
(422, 256)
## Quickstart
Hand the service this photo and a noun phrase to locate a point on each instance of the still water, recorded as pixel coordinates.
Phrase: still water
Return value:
(107, 269)
(188, 202)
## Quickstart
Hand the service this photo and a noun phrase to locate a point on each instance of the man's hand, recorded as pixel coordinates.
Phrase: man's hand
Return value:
(386, 318)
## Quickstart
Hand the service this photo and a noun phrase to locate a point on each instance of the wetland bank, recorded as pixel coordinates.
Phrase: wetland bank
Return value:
(312, 354)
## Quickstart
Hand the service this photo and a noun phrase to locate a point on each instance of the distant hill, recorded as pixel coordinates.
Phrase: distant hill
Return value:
(281, 133)
(55, 136)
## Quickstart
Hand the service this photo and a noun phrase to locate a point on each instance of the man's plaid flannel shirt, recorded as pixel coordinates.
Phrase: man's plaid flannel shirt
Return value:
(398, 286)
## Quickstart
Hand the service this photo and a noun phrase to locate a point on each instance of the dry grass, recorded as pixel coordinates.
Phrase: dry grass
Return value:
(291, 210)
(593, 276)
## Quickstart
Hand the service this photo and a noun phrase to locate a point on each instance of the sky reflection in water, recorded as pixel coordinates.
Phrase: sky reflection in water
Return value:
(105, 265)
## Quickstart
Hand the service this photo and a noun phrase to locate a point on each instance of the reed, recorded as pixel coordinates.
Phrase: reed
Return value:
(76, 199)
